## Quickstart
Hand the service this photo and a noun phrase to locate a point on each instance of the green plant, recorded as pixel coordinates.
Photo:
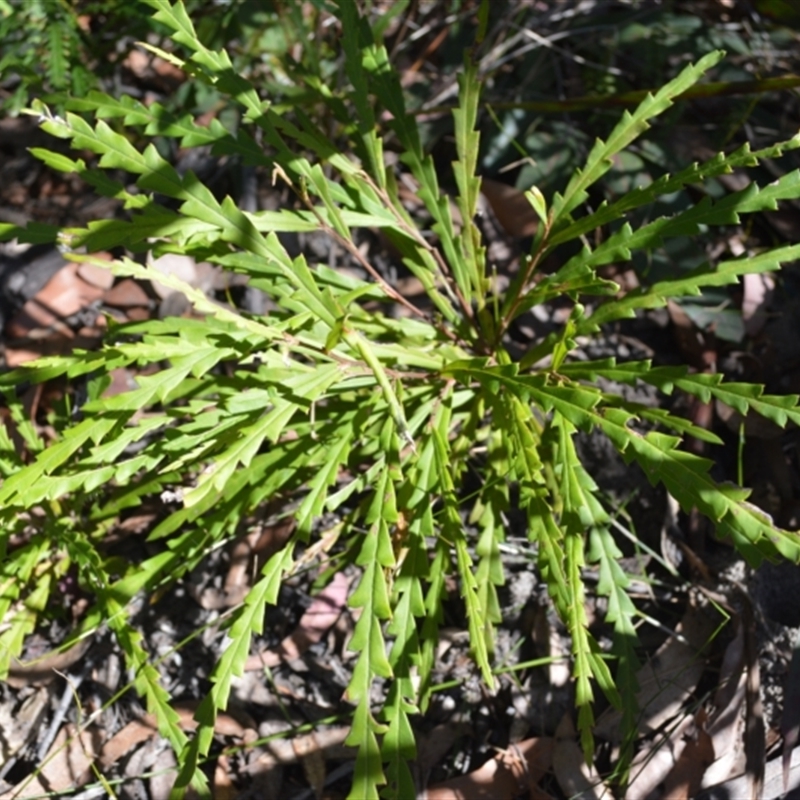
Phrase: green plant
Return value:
(46, 49)
(338, 406)
(58, 48)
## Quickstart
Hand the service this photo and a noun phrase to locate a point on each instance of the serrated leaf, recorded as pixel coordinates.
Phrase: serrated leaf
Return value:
(368, 640)
(581, 649)
(57, 161)
(336, 454)
(464, 171)
(582, 510)
(690, 284)
(21, 488)
(686, 478)
(353, 40)
(453, 528)
(720, 164)
(613, 583)
(397, 748)
(238, 455)
(148, 685)
(32, 233)
(743, 397)
(629, 128)
(368, 774)
(248, 621)
(57, 60)
(385, 81)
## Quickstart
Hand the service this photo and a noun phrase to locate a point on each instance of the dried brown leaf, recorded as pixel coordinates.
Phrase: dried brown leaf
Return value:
(577, 779)
(233, 723)
(310, 756)
(67, 765)
(436, 743)
(684, 780)
(96, 276)
(697, 347)
(505, 777)
(42, 670)
(512, 209)
(20, 723)
(124, 740)
(328, 741)
(62, 296)
(656, 759)
(741, 786)
(755, 734)
(726, 725)
(126, 294)
(224, 787)
(758, 291)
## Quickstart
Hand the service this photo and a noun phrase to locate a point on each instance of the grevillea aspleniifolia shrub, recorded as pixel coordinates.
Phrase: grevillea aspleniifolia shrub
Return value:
(331, 403)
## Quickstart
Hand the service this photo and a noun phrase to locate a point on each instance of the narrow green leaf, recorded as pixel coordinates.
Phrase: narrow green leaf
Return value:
(690, 284)
(354, 41)
(621, 612)
(464, 170)
(248, 621)
(720, 164)
(368, 775)
(453, 528)
(627, 130)
(336, 454)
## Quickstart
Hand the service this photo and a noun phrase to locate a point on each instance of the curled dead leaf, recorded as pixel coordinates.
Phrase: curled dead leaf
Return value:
(670, 677)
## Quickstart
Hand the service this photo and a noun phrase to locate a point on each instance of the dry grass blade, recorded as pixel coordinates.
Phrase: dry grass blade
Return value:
(726, 725)
(755, 735)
